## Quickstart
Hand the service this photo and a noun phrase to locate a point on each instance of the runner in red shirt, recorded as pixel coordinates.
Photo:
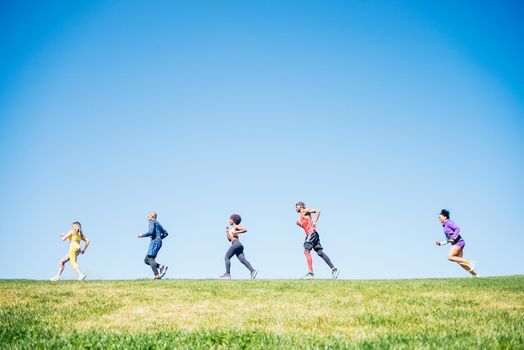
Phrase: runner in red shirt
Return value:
(312, 239)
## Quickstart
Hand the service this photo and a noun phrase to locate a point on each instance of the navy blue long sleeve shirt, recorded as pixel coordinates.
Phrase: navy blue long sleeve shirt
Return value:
(154, 230)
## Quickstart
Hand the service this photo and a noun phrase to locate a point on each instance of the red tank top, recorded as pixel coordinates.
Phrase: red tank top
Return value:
(307, 224)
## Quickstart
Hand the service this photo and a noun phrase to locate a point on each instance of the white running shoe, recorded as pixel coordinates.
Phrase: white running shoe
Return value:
(163, 270)
(335, 273)
(54, 279)
(82, 277)
(254, 274)
(226, 276)
(310, 275)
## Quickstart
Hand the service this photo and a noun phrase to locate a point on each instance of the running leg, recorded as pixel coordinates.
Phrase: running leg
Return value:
(324, 256)
(150, 260)
(146, 261)
(227, 259)
(73, 254)
(456, 255)
(471, 271)
(244, 261)
(309, 260)
(61, 267)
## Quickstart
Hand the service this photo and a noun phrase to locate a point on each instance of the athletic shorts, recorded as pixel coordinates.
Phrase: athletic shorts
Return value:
(460, 244)
(154, 247)
(312, 242)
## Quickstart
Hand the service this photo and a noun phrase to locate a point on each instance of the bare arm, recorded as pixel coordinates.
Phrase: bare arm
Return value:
(239, 229)
(228, 235)
(65, 237)
(87, 244)
(317, 215)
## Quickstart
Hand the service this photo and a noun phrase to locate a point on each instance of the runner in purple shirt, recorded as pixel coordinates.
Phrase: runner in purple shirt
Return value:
(456, 252)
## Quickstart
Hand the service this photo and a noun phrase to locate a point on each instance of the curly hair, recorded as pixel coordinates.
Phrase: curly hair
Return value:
(236, 218)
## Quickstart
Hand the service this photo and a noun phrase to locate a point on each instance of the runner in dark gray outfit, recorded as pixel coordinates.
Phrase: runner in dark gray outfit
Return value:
(236, 248)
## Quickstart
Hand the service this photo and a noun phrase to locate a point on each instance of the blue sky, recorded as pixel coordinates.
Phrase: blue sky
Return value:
(379, 114)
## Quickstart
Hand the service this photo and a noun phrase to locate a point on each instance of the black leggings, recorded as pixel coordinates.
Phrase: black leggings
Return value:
(236, 249)
(325, 257)
(150, 260)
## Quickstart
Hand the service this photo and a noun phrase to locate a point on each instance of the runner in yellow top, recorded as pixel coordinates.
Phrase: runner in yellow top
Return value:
(75, 236)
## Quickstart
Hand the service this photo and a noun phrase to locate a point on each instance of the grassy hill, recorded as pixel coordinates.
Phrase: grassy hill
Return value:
(431, 313)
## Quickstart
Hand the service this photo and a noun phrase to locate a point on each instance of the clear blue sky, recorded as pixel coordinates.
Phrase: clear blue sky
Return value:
(379, 114)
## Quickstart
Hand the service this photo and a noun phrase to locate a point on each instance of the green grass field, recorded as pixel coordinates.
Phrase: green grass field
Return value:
(430, 313)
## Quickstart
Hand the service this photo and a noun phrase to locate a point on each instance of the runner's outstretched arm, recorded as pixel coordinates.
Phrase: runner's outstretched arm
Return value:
(442, 242)
(64, 237)
(150, 231)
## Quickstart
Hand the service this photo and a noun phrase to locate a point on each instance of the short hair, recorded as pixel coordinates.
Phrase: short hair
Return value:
(236, 218)
(445, 212)
(302, 204)
(153, 214)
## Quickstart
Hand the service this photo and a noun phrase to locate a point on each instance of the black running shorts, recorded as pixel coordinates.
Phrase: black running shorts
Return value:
(313, 242)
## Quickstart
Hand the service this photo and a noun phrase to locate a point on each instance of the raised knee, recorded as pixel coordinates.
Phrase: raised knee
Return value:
(450, 258)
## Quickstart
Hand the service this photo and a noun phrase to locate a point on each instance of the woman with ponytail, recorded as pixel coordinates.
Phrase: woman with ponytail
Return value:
(75, 236)
(456, 251)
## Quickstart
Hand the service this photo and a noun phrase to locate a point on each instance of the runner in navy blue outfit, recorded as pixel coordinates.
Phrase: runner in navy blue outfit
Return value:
(157, 233)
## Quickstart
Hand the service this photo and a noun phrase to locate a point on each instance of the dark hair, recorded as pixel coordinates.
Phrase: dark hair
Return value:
(302, 204)
(236, 218)
(445, 212)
